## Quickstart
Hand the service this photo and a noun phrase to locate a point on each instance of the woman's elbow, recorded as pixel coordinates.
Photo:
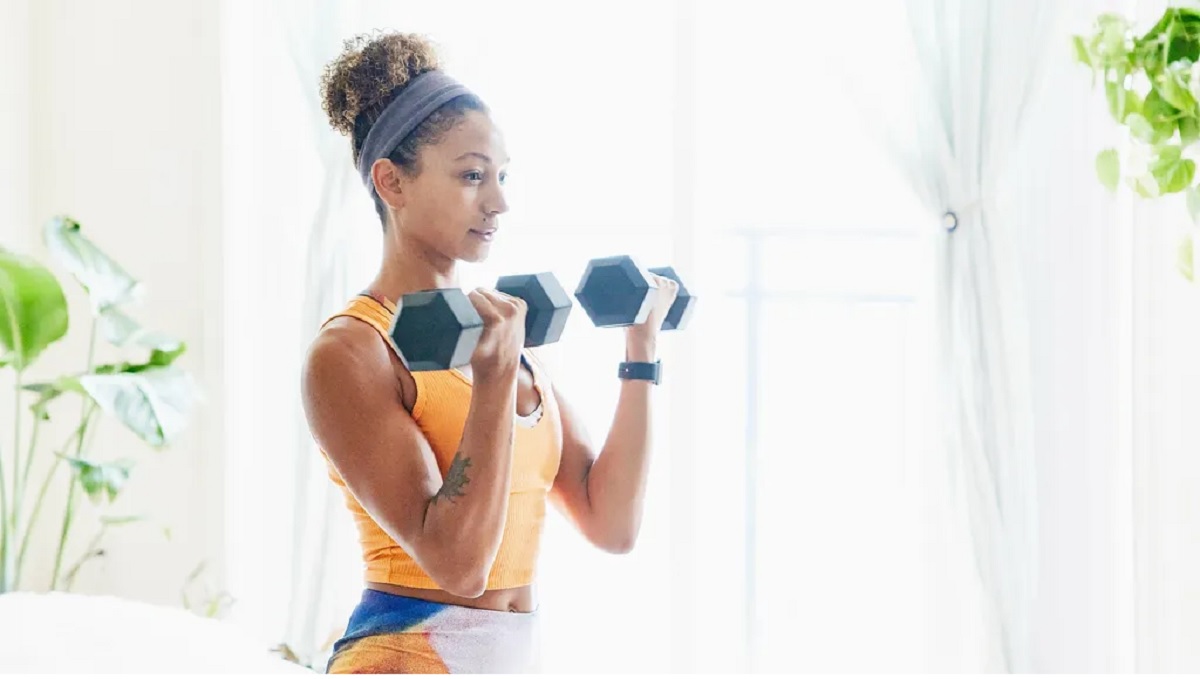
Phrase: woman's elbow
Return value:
(617, 543)
(468, 583)
(469, 589)
(456, 571)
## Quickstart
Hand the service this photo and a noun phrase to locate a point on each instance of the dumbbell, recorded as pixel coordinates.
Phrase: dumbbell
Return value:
(439, 329)
(615, 291)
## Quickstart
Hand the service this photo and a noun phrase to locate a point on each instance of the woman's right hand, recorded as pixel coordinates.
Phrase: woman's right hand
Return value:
(499, 348)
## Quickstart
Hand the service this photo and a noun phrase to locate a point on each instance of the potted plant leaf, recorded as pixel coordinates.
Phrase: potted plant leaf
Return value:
(146, 392)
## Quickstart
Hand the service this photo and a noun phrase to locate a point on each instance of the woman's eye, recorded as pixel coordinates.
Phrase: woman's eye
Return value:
(474, 176)
(503, 177)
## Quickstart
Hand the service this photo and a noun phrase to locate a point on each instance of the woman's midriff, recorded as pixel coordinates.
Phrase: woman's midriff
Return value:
(515, 600)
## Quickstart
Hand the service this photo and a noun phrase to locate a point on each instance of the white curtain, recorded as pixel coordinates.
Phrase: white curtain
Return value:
(293, 228)
(323, 556)
(978, 66)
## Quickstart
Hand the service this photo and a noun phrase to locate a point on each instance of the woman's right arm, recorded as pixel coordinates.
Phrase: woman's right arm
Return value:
(451, 527)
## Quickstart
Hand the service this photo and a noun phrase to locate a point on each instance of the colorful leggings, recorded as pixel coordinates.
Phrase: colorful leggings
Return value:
(390, 634)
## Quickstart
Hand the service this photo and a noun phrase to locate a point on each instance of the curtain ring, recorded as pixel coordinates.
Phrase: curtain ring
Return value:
(950, 221)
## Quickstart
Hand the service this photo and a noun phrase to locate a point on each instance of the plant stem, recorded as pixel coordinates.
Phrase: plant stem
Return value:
(91, 362)
(19, 492)
(4, 585)
(10, 511)
(37, 505)
(16, 449)
(6, 518)
(33, 516)
(33, 437)
(69, 512)
(68, 519)
(93, 550)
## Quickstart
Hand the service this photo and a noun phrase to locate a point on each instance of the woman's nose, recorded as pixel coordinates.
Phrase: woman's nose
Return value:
(497, 205)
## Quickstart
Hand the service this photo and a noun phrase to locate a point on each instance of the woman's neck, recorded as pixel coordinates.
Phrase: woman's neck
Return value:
(409, 266)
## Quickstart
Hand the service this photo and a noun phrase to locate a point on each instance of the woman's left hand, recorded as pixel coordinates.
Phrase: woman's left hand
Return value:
(641, 339)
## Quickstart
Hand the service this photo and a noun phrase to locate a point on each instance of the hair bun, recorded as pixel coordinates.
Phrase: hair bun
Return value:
(369, 69)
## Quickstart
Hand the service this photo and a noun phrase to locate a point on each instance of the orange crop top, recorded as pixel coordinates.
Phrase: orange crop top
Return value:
(443, 400)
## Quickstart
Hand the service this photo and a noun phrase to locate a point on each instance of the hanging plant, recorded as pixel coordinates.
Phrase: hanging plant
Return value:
(1152, 85)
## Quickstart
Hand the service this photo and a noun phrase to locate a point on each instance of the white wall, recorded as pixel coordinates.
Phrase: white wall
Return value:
(14, 123)
(120, 105)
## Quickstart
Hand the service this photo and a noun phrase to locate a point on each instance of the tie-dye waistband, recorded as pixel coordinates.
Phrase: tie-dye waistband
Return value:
(390, 634)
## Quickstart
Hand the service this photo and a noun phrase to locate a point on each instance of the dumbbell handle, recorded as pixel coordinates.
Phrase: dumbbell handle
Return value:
(681, 311)
(547, 305)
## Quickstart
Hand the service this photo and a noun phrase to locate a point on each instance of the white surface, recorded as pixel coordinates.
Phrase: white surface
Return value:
(60, 632)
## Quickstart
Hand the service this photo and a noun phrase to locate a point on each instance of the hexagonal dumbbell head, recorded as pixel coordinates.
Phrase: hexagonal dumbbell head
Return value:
(685, 303)
(615, 291)
(547, 305)
(436, 329)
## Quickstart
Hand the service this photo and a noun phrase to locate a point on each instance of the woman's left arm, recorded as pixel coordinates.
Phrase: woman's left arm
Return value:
(603, 493)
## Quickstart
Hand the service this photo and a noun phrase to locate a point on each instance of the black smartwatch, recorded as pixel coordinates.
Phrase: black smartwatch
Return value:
(632, 370)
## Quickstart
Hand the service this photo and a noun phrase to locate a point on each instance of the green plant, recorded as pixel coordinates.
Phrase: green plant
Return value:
(150, 395)
(1152, 85)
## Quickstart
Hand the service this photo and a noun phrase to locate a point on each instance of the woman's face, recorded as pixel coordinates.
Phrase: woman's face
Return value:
(453, 205)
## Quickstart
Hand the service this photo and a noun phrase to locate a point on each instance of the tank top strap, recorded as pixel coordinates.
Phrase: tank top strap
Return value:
(373, 311)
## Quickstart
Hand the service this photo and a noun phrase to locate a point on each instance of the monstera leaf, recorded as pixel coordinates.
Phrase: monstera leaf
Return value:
(152, 401)
(33, 310)
(107, 283)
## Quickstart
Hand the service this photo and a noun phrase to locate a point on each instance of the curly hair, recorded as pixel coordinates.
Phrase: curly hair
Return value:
(368, 75)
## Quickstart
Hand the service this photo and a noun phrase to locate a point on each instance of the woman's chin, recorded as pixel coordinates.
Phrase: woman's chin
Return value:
(475, 254)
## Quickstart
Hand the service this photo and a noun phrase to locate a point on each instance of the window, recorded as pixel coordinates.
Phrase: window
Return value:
(819, 383)
(784, 516)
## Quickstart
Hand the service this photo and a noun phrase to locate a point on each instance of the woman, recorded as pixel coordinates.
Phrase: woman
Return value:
(448, 473)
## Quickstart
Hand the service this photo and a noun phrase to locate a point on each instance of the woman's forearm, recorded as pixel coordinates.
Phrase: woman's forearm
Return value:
(616, 483)
(464, 521)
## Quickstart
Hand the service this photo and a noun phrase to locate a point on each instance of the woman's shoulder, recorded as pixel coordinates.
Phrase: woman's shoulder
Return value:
(357, 353)
(345, 343)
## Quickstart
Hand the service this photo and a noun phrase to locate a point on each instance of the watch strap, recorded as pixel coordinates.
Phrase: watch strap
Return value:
(634, 370)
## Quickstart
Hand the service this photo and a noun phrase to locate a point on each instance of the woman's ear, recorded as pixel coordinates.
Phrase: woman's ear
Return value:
(388, 183)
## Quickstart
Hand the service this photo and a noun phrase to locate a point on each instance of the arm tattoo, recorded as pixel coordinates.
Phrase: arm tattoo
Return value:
(456, 478)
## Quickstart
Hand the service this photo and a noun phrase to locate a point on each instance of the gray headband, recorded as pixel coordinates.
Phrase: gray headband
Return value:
(419, 98)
